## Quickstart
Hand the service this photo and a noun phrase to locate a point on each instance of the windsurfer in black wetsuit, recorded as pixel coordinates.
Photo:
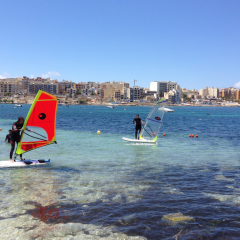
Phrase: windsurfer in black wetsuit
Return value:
(15, 136)
(8, 137)
(138, 124)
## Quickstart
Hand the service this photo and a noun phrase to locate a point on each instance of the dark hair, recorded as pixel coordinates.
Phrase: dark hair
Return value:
(19, 119)
(9, 130)
(137, 114)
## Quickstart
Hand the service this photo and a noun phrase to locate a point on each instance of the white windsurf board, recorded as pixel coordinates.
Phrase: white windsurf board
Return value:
(24, 163)
(139, 141)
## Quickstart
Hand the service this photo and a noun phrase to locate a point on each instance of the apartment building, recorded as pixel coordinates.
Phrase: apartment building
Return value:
(50, 87)
(136, 93)
(11, 85)
(209, 92)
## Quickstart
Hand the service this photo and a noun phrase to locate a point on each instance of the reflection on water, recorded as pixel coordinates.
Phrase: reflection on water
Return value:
(97, 187)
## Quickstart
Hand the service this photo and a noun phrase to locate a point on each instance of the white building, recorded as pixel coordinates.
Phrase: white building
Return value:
(209, 92)
(162, 87)
(213, 92)
(172, 96)
(203, 92)
(159, 87)
(154, 86)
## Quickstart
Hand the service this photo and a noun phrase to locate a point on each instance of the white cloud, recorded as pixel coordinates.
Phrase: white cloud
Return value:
(2, 77)
(6, 74)
(237, 85)
(50, 74)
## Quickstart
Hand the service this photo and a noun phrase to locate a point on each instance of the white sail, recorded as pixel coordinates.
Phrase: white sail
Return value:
(153, 122)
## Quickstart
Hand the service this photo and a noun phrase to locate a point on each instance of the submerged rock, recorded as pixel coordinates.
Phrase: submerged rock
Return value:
(174, 218)
(170, 190)
(221, 197)
(221, 177)
(128, 219)
(117, 198)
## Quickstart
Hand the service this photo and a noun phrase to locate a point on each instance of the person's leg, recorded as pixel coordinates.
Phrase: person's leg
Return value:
(136, 133)
(12, 149)
(139, 132)
(17, 144)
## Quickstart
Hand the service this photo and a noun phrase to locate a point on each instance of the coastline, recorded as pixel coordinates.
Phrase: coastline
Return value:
(96, 102)
(136, 104)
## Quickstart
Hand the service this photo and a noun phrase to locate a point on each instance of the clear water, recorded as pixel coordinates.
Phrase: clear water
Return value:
(98, 187)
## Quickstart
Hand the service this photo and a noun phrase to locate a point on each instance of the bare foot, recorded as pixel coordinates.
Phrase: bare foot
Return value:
(11, 160)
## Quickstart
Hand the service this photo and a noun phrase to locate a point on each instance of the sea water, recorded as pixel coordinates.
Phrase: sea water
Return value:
(99, 187)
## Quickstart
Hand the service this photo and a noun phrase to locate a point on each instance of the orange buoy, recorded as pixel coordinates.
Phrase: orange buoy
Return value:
(192, 135)
(164, 134)
(196, 135)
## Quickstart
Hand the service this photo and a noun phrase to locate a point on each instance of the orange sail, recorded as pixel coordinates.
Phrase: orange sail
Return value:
(42, 114)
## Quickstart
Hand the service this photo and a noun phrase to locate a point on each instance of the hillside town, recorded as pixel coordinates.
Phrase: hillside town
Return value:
(23, 90)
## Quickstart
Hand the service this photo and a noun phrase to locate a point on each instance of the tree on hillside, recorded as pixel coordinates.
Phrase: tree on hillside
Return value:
(161, 94)
(186, 98)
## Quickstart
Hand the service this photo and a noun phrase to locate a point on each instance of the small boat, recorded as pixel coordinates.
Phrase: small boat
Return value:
(18, 105)
(63, 105)
(110, 106)
(168, 110)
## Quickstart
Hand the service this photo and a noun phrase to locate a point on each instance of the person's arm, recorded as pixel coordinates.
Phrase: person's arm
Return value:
(15, 129)
(29, 129)
(5, 138)
(134, 122)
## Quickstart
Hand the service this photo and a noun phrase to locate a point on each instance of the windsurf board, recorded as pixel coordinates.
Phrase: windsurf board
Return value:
(139, 140)
(24, 163)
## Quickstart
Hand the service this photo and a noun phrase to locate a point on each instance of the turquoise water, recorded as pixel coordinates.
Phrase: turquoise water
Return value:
(98, 187)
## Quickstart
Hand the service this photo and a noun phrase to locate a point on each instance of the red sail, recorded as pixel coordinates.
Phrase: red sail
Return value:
(42, 115)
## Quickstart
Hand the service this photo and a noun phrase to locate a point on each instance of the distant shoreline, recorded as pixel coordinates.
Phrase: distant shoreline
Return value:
(135, 105)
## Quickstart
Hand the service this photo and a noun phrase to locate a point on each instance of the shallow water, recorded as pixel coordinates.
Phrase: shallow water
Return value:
(98, 187)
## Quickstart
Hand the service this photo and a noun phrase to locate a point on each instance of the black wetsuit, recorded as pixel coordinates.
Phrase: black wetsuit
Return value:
(15, 137)
(8, 138)
(138, 125)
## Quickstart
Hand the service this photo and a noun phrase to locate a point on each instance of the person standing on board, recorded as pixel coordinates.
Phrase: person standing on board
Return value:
(15, 136)
(138, 125)
(8, 137)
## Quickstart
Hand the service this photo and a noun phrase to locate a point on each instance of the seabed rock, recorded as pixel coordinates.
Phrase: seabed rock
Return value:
(223, 178)
(127, 219)
(174, 218)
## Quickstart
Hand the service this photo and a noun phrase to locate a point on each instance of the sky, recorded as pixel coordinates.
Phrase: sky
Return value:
(195, 43)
